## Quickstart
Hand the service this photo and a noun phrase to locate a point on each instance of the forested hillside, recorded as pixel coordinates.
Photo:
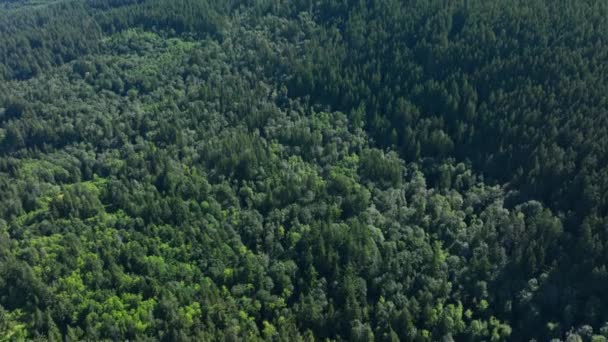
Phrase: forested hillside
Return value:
(260, 170)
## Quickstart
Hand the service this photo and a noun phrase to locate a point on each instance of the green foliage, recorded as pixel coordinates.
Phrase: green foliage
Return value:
(303, 170)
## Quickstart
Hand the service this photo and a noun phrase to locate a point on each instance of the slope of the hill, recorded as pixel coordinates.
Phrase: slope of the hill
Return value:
(258, 170)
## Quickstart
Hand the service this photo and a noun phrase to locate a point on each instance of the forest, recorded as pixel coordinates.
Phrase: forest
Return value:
(328, 170)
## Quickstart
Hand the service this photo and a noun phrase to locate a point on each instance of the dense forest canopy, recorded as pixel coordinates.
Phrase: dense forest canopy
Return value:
(304, 170)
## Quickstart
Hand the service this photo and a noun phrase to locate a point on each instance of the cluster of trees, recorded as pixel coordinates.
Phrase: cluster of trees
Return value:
(515, 88)
(299, 171)
(36, 38)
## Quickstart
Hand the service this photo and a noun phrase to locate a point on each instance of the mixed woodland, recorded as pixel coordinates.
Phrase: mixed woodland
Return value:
(329, 170)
